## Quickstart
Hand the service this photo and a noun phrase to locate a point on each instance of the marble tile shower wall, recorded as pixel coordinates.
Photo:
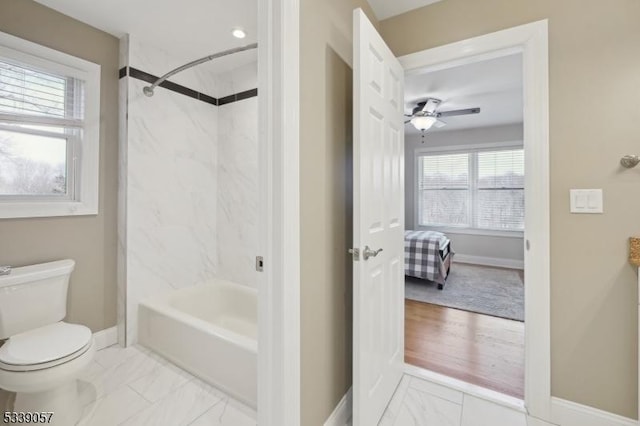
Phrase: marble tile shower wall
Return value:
(240, 79)
(171, 185)
(157, 61)
(189, 184)
(237, 218)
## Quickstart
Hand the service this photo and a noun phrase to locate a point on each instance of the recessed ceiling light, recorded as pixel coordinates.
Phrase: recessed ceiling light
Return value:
(239, 33)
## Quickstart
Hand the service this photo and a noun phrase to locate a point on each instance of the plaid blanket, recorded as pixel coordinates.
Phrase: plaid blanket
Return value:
(422, 258)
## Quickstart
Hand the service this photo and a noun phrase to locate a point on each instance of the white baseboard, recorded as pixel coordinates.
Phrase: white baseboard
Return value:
(105, 338)
(342, 413)
(567, 413)
(489, 261)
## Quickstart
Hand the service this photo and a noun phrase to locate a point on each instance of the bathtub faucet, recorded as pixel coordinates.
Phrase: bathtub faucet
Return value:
(5, 270)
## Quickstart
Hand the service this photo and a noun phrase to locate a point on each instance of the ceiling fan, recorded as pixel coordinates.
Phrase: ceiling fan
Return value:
(426, 115)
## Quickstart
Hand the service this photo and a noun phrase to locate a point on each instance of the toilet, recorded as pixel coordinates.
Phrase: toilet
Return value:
(42, 356)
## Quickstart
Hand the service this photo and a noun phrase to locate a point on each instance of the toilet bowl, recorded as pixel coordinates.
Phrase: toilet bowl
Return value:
(42, 356)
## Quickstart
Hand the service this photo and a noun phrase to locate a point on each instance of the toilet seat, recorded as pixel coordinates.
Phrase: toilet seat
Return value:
(44, 347)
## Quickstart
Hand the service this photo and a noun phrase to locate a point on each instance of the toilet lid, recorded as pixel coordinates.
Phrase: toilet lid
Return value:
(44, 344)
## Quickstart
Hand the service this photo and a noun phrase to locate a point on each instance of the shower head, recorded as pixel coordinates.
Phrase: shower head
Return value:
(148, 90)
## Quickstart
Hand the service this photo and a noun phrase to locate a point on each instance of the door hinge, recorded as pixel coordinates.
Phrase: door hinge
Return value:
(355, 253)
(259, 263)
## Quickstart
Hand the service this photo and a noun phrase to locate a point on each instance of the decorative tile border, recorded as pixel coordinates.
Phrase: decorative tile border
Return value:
(238, 97)
(178, 88)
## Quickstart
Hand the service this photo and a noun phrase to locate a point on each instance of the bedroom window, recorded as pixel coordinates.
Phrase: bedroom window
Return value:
(478, 189)
(49, 131)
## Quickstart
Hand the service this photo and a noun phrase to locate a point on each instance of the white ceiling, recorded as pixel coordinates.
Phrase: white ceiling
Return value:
(188, 28)
(494, 85)
(387, 8)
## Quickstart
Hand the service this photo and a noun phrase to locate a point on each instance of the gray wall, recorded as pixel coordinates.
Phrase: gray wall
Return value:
(89, 240)
(509, 248)
(593, 49)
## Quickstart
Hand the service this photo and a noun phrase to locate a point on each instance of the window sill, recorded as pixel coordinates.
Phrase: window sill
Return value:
(472, 231)
(17, 210)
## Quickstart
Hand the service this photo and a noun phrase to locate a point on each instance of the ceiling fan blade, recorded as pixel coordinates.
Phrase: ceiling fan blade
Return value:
(459, 112)
(438, 124)
(430, 105)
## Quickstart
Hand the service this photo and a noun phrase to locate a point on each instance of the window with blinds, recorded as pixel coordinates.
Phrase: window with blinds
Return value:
(445, 190)
(49, 131)
(41, 121)
(481, 189)
(500, 190)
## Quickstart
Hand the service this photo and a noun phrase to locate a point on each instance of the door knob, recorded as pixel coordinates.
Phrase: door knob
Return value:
(367, 253)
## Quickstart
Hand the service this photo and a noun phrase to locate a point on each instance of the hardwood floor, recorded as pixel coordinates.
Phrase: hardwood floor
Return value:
(480, 349)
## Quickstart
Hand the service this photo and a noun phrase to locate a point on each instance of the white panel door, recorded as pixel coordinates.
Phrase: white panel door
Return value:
(378, 191)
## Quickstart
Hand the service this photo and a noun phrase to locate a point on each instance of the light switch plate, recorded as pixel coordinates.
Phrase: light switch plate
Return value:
(586, 201)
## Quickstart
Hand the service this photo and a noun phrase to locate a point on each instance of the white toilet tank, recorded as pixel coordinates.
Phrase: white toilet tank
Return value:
(34, 296)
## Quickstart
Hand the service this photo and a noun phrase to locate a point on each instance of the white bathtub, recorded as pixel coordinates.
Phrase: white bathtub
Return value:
(209, 330)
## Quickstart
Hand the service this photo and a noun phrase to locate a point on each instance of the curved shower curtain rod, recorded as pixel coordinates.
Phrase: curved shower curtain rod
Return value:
(148, 90)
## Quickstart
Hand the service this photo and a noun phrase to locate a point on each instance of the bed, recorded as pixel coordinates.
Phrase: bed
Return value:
(427, 255)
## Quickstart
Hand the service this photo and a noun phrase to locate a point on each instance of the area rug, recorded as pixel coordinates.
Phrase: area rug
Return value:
(482, 289)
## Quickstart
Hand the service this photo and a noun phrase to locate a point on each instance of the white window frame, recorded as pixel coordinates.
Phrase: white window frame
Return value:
(460, 149)
(84, 188)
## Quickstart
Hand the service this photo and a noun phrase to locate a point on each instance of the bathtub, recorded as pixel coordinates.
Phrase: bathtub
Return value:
(209, 330)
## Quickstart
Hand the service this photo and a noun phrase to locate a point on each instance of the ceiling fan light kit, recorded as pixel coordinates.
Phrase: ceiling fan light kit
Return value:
(423, 122)
(425, 115)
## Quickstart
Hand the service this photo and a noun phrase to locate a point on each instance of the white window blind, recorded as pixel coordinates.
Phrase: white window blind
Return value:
(41, 120)
(478, 189)
(500, 196)
(444, 190)
(28, 93)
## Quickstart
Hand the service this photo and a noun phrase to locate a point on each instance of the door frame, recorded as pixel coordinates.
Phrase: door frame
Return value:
(279, 227)
(531, 40)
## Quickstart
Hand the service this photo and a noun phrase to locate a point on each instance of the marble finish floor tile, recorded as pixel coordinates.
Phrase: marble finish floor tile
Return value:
(164, 379)
(180, 407)
(92, 370)
(136, 387)
(440, 391)
(422, 409)
(419, 402)
(227, 413)
(113, 409)
(134, 368)
(478, 412)
(114, 355)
